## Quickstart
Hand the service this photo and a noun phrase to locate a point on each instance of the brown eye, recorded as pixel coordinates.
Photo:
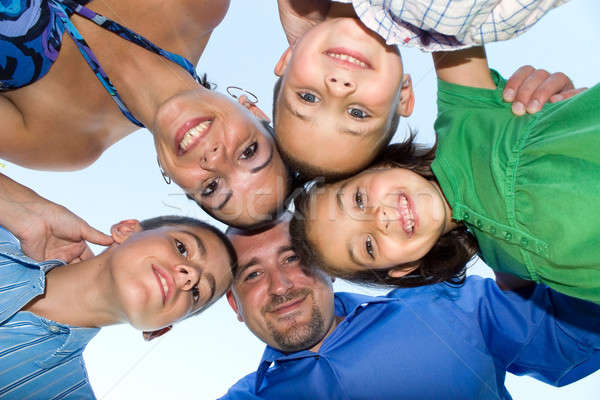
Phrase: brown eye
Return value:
(249, 152)
(210, 188)
(181, 248)
(195, 293)
(369, 247)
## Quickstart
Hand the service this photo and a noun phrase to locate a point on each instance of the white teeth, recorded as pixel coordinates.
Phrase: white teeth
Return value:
(164, 285)
(348, 58)
(408, 220)
(192, 134)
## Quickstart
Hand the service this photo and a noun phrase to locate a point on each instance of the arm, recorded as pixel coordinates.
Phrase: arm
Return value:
(539, 332)
(45, 229)
(468, 67)
(298, 16)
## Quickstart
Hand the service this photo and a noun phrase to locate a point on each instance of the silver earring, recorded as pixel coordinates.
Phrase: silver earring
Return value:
(166, 177)
(231, 90)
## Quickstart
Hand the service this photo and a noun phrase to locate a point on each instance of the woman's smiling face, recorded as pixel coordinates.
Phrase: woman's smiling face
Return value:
(221, 155)
(378, 219)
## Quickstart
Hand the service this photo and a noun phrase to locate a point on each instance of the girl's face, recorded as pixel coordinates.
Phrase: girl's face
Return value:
(378, 219)
(221, 155)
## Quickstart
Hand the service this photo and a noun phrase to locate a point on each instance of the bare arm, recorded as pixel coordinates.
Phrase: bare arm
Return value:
(468, 67)
(298, 16)
(46, 230)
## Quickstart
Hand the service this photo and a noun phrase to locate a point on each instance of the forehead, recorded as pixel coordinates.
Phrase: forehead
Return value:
(261, 245)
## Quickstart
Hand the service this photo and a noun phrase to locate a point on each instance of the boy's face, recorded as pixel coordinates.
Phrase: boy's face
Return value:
(164, 275)
(341, 87)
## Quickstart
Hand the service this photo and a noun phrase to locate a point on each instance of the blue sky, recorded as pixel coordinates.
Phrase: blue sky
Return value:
(203, 356)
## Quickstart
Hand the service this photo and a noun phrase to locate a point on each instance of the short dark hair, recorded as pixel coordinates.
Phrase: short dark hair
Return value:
(176, 220)
(304, 170)
(445, 262)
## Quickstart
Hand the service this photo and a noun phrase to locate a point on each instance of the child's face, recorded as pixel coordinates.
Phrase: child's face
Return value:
(341, 86)
(377, 219)
(164, 275)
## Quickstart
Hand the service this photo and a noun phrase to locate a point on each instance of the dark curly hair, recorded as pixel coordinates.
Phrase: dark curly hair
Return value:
(445, 262)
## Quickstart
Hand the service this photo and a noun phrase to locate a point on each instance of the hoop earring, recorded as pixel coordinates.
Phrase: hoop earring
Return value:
(166, 177)
(232, 89)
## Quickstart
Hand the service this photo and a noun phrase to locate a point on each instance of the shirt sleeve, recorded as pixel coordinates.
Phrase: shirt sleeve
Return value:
(539, 332)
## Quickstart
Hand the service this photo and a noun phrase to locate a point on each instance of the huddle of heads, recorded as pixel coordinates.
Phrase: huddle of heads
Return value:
(376, 215)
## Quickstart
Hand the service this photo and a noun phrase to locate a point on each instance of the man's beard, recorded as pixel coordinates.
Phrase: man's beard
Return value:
(298, 336)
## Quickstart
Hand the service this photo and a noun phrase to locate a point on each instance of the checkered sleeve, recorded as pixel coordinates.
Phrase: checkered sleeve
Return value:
(434, 25)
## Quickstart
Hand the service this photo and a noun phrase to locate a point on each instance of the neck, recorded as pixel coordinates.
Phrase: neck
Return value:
(336, 321)
(79, 295)
(144, 96)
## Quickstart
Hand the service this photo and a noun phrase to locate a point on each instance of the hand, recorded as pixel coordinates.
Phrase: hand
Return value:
(299, 16)
(45, 229)
(53, 232)
(529, 89)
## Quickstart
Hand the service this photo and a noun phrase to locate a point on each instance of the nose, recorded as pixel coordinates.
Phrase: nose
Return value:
(339, 85)
(186, 276)
(212, 156)
(382, 219)
(280, 283)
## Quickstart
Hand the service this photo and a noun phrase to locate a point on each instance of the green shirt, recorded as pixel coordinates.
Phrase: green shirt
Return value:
(527, 187)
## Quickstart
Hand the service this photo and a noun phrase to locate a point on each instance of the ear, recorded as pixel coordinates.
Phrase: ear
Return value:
(399, 272)
(253, 108)
(233, 303)
(283, 62)
(407, 97)
(124, 229)
(150, 335)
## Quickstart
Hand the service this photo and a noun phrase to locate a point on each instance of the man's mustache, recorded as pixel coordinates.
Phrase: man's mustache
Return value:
(290, 295)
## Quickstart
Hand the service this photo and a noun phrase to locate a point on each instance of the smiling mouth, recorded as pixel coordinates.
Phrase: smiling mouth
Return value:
(162, 282)
(288, 307)
(348, 57)
(406, 215)
(190, 134)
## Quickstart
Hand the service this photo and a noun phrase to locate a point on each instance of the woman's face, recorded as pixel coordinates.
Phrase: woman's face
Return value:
(221, 155)
(377, 219)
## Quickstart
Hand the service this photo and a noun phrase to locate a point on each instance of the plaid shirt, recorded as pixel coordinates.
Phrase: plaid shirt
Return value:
(434, 25)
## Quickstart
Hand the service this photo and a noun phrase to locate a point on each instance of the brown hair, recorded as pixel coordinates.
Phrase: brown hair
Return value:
(445, 262)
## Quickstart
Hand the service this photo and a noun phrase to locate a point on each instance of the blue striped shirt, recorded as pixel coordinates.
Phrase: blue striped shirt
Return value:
(39, 358)
(434, 25)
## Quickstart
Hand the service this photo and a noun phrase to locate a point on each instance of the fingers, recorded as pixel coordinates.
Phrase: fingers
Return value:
(93, 235)
(529, 89)
(566, 94)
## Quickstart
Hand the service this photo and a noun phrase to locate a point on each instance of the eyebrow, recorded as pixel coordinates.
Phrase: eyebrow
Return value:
(339, 194)
(211, 282)
(199, 242)
(354, 132)
(354, 259)
(295, 112)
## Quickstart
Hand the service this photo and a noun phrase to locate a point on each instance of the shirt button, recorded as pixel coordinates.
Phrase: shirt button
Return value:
(54, 328)
(507, 235)
(493, 229)
(524, 242)
(466, 216)
(479, 223)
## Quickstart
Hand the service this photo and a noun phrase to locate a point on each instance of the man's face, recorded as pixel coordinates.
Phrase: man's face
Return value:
(281, 302)
(341, 87)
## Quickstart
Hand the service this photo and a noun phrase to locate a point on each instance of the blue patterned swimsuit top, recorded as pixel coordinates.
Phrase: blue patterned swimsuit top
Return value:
(31, 34)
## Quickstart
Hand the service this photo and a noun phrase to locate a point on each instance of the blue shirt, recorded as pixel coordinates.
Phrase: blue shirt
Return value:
(39, 358)
(436, 342)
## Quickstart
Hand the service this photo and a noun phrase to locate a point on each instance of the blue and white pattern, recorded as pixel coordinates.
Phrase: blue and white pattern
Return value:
(31, 35)
(433, 25)
(39, 358)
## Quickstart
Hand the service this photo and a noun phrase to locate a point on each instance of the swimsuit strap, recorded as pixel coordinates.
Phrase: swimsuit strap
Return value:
(65, 8)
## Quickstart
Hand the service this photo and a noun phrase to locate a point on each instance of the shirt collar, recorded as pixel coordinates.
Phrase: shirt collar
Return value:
(346, 305)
